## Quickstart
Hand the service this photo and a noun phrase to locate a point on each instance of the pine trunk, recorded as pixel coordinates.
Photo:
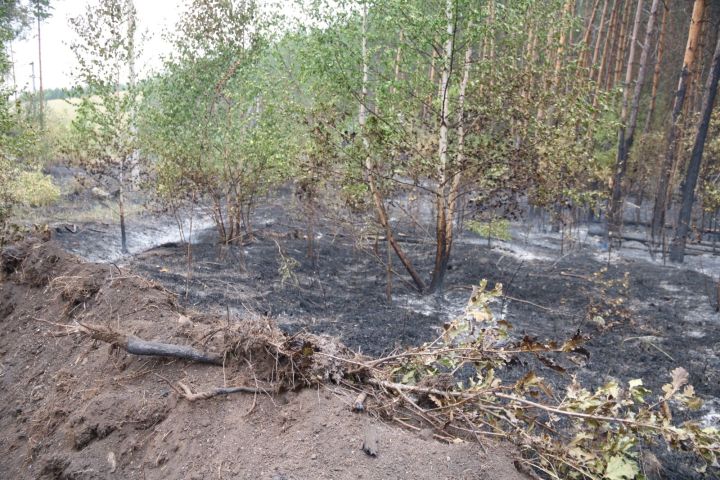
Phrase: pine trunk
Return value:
(598, 40)
(626, 132)
(660, 207)
(587, 35)
(656, 73)
(604, 58)
(677, 250)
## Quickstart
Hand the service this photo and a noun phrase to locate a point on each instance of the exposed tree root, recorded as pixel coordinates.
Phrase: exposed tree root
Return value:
(189, 395)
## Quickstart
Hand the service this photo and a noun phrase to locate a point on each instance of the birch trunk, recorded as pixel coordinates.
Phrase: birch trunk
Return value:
(441, 201)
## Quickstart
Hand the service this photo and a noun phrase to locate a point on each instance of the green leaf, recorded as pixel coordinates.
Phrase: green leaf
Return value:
(621, 468)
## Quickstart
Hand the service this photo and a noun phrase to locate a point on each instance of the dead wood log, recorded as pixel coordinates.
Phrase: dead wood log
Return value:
(138, 346)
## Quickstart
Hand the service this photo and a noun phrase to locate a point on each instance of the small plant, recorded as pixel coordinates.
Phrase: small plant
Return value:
(580, 433)
(34, 188)
(607, 306)
(497, 228)
(286, 267)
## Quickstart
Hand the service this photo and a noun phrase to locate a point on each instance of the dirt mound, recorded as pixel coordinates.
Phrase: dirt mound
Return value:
(76, 408)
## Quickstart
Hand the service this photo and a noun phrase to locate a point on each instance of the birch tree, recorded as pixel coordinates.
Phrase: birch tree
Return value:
(106, 54)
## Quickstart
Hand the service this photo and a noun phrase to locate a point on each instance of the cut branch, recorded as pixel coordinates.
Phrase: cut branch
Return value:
(138, 346)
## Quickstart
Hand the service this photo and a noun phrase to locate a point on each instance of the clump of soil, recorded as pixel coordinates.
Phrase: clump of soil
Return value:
(74, 408)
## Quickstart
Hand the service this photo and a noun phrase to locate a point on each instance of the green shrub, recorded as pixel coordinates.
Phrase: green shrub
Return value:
(33, 188)
(498, 228)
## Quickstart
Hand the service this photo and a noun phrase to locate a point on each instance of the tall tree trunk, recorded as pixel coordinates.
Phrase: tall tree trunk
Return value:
(441, 200)
(656, 73)
(658, 220)
(598, 40)
(134, 157)
(626, 133)
(398, 53)
(696, 75)
(42, 92)
(608, 59)
(588, 34)
(454, 194)
(431, 80)
(567, 12)
(604, 58)
(677, 249)
(121, 208)
(370, 168)
(622, 45)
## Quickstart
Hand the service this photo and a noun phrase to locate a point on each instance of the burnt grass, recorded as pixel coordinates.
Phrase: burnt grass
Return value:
(664, 319)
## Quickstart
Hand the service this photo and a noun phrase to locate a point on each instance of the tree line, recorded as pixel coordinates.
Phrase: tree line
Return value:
(476, 108)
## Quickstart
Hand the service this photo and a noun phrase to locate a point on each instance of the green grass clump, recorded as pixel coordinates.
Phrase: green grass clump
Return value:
(498, 228)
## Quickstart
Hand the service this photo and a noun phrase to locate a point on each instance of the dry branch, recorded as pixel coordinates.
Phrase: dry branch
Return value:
(138, 346)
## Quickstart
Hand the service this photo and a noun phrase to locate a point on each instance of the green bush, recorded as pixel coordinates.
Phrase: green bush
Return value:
(498, 228)
(33, 188)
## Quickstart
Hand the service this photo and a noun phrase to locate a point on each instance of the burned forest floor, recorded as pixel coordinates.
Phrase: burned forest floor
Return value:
(641, 318)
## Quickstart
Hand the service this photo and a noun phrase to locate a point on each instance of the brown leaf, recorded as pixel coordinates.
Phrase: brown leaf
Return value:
(551, 364)
(679, 378)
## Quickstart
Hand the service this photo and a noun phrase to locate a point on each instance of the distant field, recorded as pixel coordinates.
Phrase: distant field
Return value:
(62, 111)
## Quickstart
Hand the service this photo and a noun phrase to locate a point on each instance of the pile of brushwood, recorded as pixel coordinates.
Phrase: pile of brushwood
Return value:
(451, 385)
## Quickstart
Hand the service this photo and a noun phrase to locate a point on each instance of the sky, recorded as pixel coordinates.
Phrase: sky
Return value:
(58, 60)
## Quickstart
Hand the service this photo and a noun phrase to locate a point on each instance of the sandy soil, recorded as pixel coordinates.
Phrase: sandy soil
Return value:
(665, 316)
(72, 408)
(643, 317)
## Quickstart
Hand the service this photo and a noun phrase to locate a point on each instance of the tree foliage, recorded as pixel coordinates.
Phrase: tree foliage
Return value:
(215, 120)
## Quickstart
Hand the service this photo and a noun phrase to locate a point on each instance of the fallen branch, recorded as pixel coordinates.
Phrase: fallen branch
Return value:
(138, 346)
(400, 387)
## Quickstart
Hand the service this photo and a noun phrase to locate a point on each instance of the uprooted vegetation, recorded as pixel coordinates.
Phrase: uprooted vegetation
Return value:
(451, 389)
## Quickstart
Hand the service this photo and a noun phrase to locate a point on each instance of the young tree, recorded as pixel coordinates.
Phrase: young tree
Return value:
(218, 119)
(677, 249)
(41, 10)
(106, 53)
(480, 124)
(17, 137)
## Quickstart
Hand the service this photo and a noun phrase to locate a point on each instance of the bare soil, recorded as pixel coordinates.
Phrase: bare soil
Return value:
(642, 318)
(73, 408)
(663, 317)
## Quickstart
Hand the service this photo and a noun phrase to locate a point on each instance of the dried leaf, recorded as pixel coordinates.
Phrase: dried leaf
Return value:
(679, 378)
(551, 364)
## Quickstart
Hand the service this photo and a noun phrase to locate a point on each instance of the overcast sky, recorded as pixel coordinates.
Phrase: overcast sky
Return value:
(57, 34)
